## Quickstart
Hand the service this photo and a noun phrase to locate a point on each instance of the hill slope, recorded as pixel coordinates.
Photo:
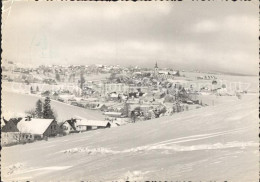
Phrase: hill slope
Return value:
(213, 143)
(16, 104)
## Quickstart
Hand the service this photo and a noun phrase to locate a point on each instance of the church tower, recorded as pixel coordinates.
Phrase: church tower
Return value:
(156, 69)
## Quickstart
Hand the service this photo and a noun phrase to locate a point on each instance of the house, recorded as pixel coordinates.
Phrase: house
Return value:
(169, 98)
(9, 138)
(79, 124)
(27, 129)
(113, 114)
(36, 128)
(46, 93)
(66, 98)
(9, 131)
(102, 107)
(114, 87)
(55, 96)
(143, 108)
(11, 125)
(114, 96)
(85, 125)
(68, 126)
(182, 94)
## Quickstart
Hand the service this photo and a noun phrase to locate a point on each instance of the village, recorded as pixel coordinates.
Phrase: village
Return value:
(121, 95)
(129, 91)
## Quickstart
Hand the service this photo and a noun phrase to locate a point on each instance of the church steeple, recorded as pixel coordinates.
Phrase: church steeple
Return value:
(156, 66)
(156, 69)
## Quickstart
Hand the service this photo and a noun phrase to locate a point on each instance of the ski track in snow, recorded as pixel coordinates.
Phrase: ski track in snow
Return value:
(197, 137)
(171, 145)
(39, 170)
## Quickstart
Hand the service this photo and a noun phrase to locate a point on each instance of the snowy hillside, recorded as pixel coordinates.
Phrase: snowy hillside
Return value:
(213, 143)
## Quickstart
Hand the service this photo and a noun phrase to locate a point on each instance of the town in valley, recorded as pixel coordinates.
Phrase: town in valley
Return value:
(118, 95)
(48, 103)
(129, 91)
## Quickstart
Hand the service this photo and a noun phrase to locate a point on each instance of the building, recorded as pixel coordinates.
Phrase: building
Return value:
(144, 107)
(9, 138)
(11, 125)
(26, 130)
(156, 69)
(67, 127)
(113, 114)
(79, 124)
(114, 87)
(85, 125)
(164, 74)
(36, 128)
(9, 131)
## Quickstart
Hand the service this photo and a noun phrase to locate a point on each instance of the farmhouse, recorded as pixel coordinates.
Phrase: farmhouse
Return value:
(81, 125)
(85, 125)
(113, 114)
(27, 129)
(38, 128)
(9, 131)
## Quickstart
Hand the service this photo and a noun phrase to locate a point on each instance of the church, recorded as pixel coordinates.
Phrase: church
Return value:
(164, 74)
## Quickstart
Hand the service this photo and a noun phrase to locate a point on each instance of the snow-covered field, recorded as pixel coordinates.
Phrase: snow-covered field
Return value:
(212, 143)
(249, 83)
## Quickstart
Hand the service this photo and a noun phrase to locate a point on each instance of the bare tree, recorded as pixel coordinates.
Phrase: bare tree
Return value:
(31, 113)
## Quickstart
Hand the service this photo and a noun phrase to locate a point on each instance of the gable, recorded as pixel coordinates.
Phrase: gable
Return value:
(9, 127)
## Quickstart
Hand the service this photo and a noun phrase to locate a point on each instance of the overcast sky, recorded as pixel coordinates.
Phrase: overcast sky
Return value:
(221, 36)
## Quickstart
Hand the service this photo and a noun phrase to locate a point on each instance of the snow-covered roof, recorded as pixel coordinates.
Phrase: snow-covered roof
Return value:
(34, 126)
(66, 96)
(85, 122)
(113, 113)
(177, 81)
(163, 72)
(113, 95)
(173, 72)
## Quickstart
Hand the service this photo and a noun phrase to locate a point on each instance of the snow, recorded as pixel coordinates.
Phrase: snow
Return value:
(113, 113)
(34, 126)
(19, 103)
(85, 122)
(218, 143)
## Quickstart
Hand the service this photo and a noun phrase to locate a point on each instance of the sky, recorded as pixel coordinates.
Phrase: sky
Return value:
(208, 36)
